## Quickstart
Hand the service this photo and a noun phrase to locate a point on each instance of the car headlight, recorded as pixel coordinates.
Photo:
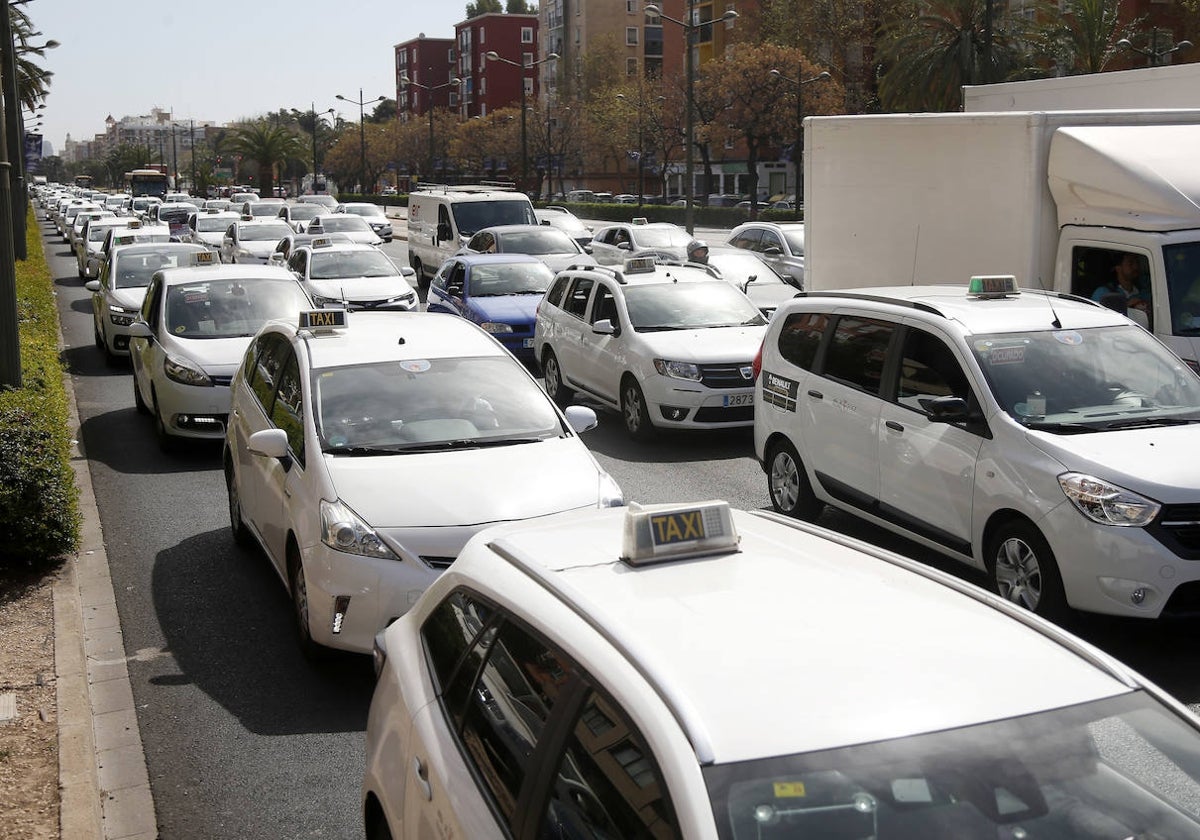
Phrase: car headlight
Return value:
(186, 372)
(493, 327)
(326, 302)
(677, 370)
(343, 530)
(1107, 503)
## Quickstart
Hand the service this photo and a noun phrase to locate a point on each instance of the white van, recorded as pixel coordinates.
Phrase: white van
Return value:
(442, 218)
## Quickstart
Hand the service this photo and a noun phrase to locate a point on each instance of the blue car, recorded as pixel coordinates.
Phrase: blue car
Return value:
(499, 292)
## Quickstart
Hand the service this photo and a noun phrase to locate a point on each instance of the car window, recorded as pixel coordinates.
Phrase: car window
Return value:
(451, 636)
(150, 304)
(513, 696)
(857, 352)
(577, 299)
(288, 411)
(555, 295)
(800, 337)
(605, 306)
(928, 369)
(273, 352)
(770, 240)
(748, 239)
(607, 784)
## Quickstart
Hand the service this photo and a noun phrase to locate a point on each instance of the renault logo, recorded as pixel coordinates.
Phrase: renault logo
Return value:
(747, 372)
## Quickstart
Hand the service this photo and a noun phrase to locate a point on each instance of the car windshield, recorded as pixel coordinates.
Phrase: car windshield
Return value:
(212, 224)
(509, 279)
(365, 209)
(664, 237)
(176, 212)
(543, 240)
(264, 209)
(667, 306)
(1124, 767)
(344, 223)
(331, 265)
(230, 308)
(304, 212)
(430, 405)
(568, 224)
(134, 270)
(473, 216)
(739, 268)
(264, 233)
(96, 233)
(1089, 380)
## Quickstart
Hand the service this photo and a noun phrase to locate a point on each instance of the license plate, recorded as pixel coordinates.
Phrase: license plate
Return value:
(733, 400)
(527, 344)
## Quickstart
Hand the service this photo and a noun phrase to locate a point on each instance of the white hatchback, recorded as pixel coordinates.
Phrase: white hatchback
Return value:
(194, 326)
(362, 457)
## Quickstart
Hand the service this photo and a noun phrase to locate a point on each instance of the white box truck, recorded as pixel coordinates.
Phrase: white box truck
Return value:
(1147, 88)
(1055, 198)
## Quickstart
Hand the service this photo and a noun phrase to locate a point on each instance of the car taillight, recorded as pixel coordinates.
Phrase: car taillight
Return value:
(756, 365)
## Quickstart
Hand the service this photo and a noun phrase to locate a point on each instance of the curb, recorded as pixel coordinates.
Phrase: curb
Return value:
(103, 781)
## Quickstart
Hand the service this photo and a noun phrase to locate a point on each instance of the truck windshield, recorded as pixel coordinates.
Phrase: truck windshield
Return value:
(1091, 380)
(473, 216)
(1183, 286)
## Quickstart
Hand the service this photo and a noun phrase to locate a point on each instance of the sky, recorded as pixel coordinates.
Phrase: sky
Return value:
(219, 60)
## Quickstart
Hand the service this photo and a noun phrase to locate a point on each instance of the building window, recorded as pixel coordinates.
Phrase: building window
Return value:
(528, 86)
(631, 67)
(631, 36)
(526, 34)
(631, 6)
(450, 56)
(527, 60)
(482, 35)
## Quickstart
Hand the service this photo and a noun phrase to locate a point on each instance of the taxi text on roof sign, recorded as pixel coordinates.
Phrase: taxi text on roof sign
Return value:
(323, 319)
(993, 285)
(657, 533)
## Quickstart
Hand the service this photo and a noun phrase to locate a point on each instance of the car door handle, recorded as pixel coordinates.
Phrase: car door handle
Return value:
(422, 779)
(894, 426)
(816, 395)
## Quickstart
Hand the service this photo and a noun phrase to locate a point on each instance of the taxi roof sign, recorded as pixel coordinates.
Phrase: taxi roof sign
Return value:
(322, 242)
(641, 265)
(993, 286)
(323, 320)
(660, 533)
(203, 258)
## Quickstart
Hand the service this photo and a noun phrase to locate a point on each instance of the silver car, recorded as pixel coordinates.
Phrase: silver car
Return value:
(778, 244)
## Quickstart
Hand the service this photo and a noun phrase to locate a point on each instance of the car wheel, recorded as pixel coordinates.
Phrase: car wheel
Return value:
(241, 534)
(1022, 570)
(555, 389)
(791, 492)
(634, 411)
(166, 440)
(138, 402)
(299, 592)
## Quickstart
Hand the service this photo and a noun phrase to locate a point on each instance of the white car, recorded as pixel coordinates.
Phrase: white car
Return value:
(347, 224)
(208, 228)
(92, 235)
(778, 244)
(362, 458)
(353, 276)
(689, 671)
(1038, 437)
(194, 327)
(299, 215)
(549, 244)
(613, 244)
(250, 240)
(765, 288)
(118, 294)
(374, 214)
(263, 208)
(669, 346)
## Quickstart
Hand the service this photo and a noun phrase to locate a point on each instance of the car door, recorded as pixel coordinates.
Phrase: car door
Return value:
(604, 250)
(840, 432)
(772, 250)
(927, 469)
(144, 351)
(282, 481)
(602, 355)
(447, 289)
(572, 329)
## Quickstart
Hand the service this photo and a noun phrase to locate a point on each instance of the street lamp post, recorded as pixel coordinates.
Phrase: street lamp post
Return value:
(362, 133)
(431, 89)
(641, 149)
(689, 29)
(1157, 57)
(312, 113)
(798, 148)
(492, 55)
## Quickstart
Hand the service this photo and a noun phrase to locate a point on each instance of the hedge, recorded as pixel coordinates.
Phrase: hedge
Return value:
(39, 502)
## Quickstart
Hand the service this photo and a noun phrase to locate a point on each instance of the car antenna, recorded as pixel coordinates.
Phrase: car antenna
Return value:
(1056, 323)
(916, 249)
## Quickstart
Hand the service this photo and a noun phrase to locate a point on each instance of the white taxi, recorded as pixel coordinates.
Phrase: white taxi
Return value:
(365, 448)
(350, 275)
(669, 346)
(695, 672)
(191, 333)
(251, 240)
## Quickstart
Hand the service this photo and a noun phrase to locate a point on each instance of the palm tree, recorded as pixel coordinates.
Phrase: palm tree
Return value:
(939, 46)
(33, 81)
(267, 144)
(1083, 39)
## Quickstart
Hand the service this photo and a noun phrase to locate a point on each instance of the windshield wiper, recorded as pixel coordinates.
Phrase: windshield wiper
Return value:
(1148, 422)
(359, 451)
(1064, 428)
(466, 443)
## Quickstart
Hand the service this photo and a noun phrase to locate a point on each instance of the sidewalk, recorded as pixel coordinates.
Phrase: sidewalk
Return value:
(103, 783)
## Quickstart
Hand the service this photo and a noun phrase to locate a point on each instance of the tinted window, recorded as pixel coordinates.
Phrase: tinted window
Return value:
(449, 631)
(857, 352)
(265, 374)
(508, 709)
(607, 785)
(928, 369)
(800, 337)
(576, 302)
(555, 294)
(288, 411)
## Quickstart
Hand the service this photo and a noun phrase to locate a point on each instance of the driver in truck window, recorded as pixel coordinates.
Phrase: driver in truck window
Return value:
(1125, 283)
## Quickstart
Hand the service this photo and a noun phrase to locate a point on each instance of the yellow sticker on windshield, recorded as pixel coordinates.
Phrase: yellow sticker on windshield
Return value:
(785, 790)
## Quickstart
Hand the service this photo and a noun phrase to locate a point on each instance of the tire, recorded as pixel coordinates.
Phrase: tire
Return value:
(555, 389)
(298, 590)
(634, 412)
(138, 402)
(1022, 570)
(788, 484)
(237, 526)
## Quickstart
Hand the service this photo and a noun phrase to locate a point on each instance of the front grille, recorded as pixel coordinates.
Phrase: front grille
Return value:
(1178, 528)
(718, 414)
(1184, 601)
(727, 375)
(437, 562)
(221, 380)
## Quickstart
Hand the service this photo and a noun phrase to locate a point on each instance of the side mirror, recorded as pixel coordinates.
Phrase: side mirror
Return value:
(604, 327)
(946, 409)
(407, 271)
(454, 289)
(773, 251)
(92, 285)
(140, 329)
(581, 418)
(587, 248)
(269, 443)
(625, 246)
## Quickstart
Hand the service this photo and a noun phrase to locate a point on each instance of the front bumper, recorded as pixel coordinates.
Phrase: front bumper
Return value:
(681, 403)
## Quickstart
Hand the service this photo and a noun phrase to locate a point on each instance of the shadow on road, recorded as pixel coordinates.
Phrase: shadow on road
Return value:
(125, 442)
(227, 622)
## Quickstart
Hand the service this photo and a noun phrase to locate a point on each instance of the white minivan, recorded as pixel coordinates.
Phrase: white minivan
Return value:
(442, 219)
(1040, 437)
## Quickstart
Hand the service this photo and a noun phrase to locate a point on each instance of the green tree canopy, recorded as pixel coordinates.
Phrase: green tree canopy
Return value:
(267, 144)
(483, 7)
